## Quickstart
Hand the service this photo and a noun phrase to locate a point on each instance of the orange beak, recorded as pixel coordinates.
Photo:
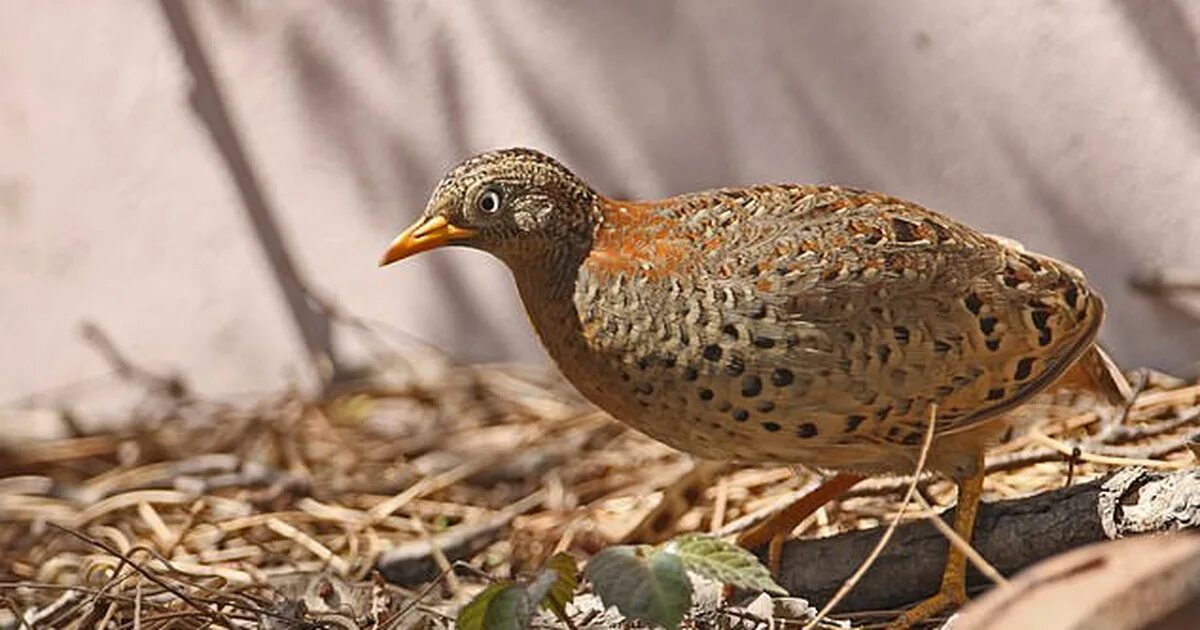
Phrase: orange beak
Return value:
(424, 235)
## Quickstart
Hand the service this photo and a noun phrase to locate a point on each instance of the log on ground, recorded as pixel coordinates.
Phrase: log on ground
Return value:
(1011, 535)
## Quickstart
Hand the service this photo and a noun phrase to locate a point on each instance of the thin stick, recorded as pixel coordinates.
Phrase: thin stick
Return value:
(12, 605)
(336, 562)
(568, 536)
(439, 556)
(108, 614)
(891, 529)
(1084, 456)
(976, 559)
(720, 504)
(399, 614)
(158, 529)
(137, 607)
(426, 485)
(214, 615)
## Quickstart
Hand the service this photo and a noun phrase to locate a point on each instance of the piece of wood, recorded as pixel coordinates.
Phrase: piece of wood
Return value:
(1143, 582)
(1010, 534)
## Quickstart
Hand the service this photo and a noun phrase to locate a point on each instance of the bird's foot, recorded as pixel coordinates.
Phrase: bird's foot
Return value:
(946, 599)
(775, 530)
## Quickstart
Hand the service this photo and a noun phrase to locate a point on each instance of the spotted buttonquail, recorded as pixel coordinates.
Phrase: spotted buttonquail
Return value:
(815, 325)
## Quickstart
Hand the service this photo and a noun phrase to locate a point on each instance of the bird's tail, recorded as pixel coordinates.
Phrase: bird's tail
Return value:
(1095, 372)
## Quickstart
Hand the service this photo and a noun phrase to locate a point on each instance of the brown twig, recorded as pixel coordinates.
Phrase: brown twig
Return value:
(422, 594)
(171, 386)
(965, 547)
(214, 615)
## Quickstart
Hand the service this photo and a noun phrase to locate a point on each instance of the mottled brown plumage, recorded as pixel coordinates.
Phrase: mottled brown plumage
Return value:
(799, 324)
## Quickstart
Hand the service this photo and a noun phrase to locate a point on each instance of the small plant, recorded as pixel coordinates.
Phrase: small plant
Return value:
(509, 605)
(643, 582)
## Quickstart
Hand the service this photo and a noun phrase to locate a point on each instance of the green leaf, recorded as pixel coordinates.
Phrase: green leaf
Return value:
(510, 610)
(501, 606)
(652, 588)
(554, 586)
(470, 616)
(722, 561)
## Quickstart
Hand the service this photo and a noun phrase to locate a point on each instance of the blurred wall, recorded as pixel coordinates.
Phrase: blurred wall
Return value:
(1071, 126)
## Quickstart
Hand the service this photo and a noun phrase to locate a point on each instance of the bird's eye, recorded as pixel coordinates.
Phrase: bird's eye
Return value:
(489, 200)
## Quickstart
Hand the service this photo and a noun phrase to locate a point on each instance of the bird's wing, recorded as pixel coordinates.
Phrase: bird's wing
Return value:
(888, 306)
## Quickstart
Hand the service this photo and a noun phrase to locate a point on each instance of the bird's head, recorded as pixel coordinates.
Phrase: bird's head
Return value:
(517, 204)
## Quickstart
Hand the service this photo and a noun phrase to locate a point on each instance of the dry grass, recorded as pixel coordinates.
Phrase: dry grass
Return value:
(276, 514)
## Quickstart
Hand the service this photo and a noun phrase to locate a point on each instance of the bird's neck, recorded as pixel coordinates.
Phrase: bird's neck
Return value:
(546, 281)
(547, 286)
(551, 292)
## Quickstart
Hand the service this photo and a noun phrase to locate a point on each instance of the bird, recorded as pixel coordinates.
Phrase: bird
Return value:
(815, 325)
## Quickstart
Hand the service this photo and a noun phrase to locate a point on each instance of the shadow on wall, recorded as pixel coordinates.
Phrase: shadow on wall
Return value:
(209, 104)
(386, 166)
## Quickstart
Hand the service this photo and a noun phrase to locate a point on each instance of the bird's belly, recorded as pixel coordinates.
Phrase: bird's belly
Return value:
(722, 418)
(791, 432)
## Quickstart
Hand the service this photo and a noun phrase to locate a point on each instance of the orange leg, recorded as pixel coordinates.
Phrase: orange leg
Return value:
(776, 528)
(954, 579)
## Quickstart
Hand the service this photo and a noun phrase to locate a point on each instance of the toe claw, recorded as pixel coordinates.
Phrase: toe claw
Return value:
(928, 608)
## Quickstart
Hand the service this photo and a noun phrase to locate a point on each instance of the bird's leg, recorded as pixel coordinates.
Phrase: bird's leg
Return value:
(954, 579)
(776, 528)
